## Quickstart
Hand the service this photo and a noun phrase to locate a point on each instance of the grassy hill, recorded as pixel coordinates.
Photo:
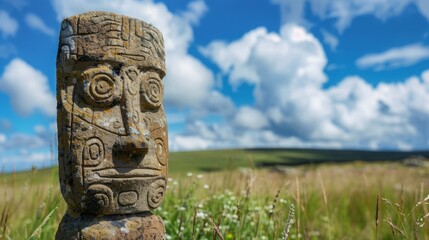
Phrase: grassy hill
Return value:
(213, 160)
(218, 160)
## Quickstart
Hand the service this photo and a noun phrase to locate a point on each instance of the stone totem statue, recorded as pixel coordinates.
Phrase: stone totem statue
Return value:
(112, 130)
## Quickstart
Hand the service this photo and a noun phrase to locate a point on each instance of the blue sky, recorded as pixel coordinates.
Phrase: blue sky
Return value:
(303, 73)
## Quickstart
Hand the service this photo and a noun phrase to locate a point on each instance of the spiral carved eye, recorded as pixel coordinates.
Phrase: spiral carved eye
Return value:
(100, 87)
(152, 92)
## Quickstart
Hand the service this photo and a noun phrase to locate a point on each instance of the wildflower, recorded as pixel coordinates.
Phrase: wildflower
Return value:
(189, 174)
(424, 200)
(289, 222)
(206, 186)
(421, 221)
(199, 176)
(201, 214)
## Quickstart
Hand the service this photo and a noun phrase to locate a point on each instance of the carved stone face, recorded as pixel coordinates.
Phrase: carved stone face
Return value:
(113, 145)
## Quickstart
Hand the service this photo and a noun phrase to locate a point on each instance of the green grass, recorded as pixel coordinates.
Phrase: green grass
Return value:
(227, 191)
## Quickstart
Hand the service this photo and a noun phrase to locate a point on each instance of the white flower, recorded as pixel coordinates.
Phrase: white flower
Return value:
(189, 174)
(206, 186)
(201, 214)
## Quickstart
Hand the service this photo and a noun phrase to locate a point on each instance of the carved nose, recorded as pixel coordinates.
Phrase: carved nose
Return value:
(134, 140)
(132, 144)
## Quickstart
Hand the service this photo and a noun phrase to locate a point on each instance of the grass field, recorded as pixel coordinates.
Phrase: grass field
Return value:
(255, 194)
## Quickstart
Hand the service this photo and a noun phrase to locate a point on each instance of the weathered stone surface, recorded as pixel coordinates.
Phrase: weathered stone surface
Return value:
(112, 130)
(116, 227)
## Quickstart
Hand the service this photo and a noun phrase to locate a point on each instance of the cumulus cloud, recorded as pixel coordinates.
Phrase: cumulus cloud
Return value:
(37, 23)
(330, 39)
(395, 57)
(293, 108)
(250, 118)
(189, 143)
(8, 25)
(23, 141)
(343, 12)
(48, 134)
(23, 160)
(188, 82)
(27, 88)
(196, 10)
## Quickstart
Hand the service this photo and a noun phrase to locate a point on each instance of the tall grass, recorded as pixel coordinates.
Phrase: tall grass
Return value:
(348, 201)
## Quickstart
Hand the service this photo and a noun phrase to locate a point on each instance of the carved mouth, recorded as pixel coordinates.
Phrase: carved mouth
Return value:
(128, 172)
(128, 157)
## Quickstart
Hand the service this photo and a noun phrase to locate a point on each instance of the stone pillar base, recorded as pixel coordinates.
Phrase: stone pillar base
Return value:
(111, 227)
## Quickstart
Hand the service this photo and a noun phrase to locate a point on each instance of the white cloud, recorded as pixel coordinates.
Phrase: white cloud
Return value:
(8, 25)
(250, 118)
(423, 6)
(2, 138)
(188, 83)
(330, 39)
(26, 158)
(395, 57)
(46, 133)
(292, 108)
(189, 143)
(231, 57)
(292, 11)
(27, 88)
(23, 141)
(196, 9)
(343, 12)
(215, 104)
(37, 23)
